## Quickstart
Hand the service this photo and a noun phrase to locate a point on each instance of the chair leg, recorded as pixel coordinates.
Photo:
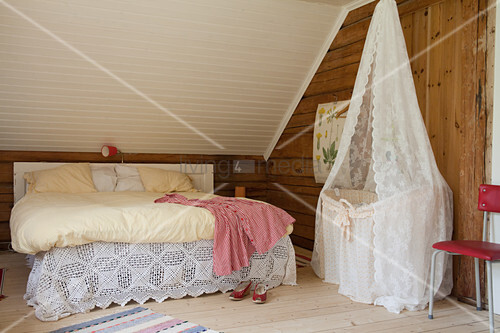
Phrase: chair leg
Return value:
(479, 306)
(490, 297)
(431, 290)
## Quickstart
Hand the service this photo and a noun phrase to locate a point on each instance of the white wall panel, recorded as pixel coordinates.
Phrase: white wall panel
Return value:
(146, 75)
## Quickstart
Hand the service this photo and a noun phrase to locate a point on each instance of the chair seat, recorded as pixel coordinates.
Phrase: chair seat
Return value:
(472, 248)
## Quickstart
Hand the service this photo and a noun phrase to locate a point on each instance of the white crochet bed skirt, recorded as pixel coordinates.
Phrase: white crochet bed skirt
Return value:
(348, 242)
(70, 280)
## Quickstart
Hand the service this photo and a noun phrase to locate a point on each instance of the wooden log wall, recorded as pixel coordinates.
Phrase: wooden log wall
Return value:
(446, 42)
(253, 176)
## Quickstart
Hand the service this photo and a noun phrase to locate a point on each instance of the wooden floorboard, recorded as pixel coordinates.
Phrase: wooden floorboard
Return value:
(311, 306)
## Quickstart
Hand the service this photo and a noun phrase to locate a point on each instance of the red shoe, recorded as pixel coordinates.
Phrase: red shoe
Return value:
(240, 291)
(260, 294)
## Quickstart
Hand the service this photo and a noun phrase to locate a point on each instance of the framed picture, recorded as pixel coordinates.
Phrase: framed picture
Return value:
(328, 127)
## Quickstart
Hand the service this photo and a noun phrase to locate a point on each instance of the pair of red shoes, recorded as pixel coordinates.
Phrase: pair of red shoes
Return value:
(259, 294)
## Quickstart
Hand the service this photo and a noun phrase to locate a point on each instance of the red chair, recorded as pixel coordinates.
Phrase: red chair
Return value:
(489, 201)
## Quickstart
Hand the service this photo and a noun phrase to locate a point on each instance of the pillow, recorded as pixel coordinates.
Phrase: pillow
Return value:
(104, 177)
(159, 180)
(67, 178)
(128, 179)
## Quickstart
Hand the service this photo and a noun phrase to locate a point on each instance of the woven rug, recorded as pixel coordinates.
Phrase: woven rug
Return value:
(136, 320)
(302, 261)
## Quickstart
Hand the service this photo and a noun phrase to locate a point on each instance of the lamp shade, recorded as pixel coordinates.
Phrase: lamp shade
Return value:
(107, 151)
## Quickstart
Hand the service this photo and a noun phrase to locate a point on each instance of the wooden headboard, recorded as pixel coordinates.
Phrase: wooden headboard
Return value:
(201, 174)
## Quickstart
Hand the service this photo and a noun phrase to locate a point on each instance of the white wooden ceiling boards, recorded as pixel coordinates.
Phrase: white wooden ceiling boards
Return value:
(158, 76)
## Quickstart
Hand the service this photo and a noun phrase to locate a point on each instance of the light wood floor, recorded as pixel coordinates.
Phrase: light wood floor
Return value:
(312, 306)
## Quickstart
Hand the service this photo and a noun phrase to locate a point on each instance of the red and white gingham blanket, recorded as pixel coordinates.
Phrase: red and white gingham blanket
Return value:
(241, 228)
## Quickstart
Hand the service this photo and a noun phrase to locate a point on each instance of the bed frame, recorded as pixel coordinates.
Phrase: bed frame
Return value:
(202, 175)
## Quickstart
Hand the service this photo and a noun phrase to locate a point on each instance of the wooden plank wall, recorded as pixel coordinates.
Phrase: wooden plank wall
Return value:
(224, 177)
(446, 40)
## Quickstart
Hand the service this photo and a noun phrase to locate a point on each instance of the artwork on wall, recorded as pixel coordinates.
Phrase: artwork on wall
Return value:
(328, 127)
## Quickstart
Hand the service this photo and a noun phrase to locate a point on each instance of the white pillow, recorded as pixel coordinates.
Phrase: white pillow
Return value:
(128, 179)
(104, 177)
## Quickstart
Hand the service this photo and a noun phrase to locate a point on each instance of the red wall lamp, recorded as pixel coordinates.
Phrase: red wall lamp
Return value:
(108, 151)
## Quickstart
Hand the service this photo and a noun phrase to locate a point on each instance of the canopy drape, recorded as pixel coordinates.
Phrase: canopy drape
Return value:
(385, 149)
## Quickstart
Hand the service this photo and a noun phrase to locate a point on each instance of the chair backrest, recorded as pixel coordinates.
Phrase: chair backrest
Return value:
(489, 198)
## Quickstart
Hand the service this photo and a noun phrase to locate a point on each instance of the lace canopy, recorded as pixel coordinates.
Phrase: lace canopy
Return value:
(385, 149)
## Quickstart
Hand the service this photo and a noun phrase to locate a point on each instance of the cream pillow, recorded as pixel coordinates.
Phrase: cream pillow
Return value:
(159, 180)
(104, 177)
(67, 178)
(128, 179)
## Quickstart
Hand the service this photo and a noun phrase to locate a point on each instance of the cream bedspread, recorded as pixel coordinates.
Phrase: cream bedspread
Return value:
(42, 221)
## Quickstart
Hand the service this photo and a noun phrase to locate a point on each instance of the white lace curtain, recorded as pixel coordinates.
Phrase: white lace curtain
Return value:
(385, 149)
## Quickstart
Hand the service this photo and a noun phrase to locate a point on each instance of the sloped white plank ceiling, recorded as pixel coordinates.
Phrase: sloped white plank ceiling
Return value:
(156, 76)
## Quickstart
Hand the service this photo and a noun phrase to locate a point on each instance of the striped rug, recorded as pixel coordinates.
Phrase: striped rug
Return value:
(135, 320)
(302, 261)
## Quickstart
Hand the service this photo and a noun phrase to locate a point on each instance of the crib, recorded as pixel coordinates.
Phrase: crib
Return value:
(348, 242)
(384, 202)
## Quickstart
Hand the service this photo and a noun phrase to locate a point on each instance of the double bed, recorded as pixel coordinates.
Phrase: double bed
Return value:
(94, 249)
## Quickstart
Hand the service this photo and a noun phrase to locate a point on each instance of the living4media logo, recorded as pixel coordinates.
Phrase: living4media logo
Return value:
(244, 166)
